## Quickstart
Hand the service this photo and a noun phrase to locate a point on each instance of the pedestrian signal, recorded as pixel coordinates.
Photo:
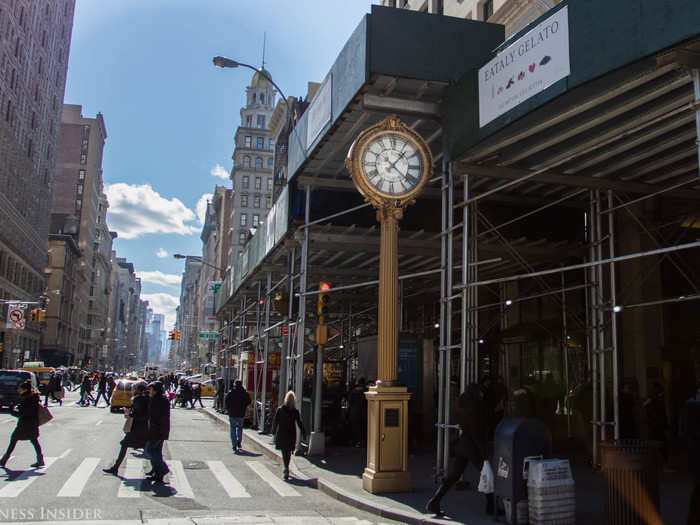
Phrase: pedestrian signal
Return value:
(1, 347)
(34, 315)
(171, 335)
(177, 335)
(170, 356)
(41, 316)
(324, 300)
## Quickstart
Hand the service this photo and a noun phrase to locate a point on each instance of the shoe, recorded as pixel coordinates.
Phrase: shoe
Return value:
(110, 470)
(286, 475)
(39, 463)
(150, 473)
(433, 507)
(3, 462)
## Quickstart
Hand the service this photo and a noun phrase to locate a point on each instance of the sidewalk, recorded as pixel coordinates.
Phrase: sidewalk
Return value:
(339, 474)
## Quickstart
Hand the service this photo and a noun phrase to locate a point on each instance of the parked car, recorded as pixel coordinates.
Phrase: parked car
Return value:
(9, 380)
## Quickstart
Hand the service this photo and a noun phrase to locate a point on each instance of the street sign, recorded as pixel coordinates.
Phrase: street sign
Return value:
(208, 335)
(15, 316)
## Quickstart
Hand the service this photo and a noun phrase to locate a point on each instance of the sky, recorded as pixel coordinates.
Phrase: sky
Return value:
(171, 116)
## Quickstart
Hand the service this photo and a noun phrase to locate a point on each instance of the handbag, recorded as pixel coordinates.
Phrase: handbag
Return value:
(60, 394)
(486, 478)
(128, 424)
(43, 414)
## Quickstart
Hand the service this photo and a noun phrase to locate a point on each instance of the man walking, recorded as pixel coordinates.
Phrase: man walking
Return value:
(102, 389)
(158, 431)
(236, 402)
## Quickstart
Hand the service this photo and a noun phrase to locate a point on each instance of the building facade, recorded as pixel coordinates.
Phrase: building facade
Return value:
(34, 46)
(187, 349)
(252, 172)
(513, 14)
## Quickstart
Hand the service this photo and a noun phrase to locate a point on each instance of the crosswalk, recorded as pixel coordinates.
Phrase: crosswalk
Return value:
(132, 473)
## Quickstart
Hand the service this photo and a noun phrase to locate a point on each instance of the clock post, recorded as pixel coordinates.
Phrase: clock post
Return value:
(383, 158)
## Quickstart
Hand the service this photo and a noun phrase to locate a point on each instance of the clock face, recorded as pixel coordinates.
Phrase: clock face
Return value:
(392, 164)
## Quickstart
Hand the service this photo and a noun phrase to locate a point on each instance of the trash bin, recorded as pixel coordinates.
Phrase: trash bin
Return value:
(516, 442)
(631, 471)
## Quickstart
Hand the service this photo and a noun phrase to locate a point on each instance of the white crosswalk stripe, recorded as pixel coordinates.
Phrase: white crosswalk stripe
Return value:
(73, 488)
(179, 481)
(279, 486)
(134, 476)
(230, 484)
(21, 482)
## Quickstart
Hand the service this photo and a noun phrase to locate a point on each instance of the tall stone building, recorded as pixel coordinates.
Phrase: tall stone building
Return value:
(514, 14)
(187, 349)
(34, 46)
(79, 191)
(252, 172)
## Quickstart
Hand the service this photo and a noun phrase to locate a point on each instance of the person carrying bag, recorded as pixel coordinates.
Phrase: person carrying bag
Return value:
(135, 426)
(29, 414)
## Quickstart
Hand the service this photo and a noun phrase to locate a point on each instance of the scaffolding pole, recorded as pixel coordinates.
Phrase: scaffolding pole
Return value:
(287, 349)
(448, 181)
(444, 270)
(301, 321)
(613, 322)
(695, 73)
(266, 351)
(256, 357)
(593, 340)
(466, 308)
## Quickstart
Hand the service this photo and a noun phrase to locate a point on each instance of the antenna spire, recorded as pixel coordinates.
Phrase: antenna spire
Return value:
(264, 41)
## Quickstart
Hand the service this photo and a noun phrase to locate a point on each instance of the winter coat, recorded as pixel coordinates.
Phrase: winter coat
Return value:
(137, 436)
(27, 413)
(283, 427)
(158, 418)
(474, 424)
(236, 401)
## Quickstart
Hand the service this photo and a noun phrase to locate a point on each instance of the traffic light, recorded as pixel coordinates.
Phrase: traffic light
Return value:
(34, 315)
(171, 335)
(324, 300)
(170, 357)
(1, 347)
(41, 316)
(177, 335)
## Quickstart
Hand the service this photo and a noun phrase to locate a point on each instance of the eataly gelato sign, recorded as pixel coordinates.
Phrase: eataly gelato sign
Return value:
(529, 65)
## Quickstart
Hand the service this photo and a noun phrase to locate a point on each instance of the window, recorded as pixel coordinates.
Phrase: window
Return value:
(258, 162)
(269, 162)
(487, 10)
(271, 145)
(78, 204)
(256, 220)
(262, 98)
(249, 121)
(245, 181)
(261, 121)
(80, 189)
(242, 237)
(269, 184)
(81, 175)
(256, 201)
(83, 158)
(258, 182)
(268, 201)
(261, 143)
(244, 219)
(246, 161)
(248, 141)
(244, 201)
(86, 130)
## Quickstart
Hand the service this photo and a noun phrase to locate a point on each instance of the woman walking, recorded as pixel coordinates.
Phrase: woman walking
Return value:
(285, 432)
(27, 428)
(158, 431)
(136, 436)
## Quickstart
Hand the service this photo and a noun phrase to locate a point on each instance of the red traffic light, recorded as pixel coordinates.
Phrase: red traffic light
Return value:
(325, 286)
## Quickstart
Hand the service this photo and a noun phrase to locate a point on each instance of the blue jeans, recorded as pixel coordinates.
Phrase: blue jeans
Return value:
(154, 450)
(236, 430)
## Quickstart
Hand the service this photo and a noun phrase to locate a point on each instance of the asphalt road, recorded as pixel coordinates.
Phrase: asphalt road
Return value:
(206, 479)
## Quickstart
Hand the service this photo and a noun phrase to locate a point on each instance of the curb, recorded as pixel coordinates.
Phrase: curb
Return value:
(330, 488)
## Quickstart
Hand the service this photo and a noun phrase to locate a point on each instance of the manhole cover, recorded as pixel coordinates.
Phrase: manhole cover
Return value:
(195, 465)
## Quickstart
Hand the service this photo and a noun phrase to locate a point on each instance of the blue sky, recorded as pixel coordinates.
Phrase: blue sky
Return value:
(171, 116)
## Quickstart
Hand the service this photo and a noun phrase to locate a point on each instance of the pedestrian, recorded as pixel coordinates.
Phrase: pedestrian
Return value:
(196, 394)
(236, 402)
(137, 434)
(111, 385)
(53, 386)
(284, 430)
(690, 428)
(27, 429)
(655, 406)
(85, 391)
(357, 414)
(471, 446)
(628, 428)
(186, 394)
(102, 389)
(158, 431)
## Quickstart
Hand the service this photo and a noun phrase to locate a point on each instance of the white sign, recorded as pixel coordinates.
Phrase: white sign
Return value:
(319, 112)
(528, 66)
(15, 316)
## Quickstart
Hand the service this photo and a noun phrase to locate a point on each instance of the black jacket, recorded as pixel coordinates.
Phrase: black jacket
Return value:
(283, 427)
(158, 418)
(138, 435)
(473, 420)
(236, 402)
(27, 413)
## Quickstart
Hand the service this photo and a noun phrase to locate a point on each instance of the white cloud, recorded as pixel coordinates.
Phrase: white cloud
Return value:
(161, 253)
(163, 303)
(163, 279)
(202, 206)
(137, 210)
(220, 172)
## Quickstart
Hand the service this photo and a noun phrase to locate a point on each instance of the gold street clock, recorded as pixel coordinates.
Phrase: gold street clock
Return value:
(390, 163)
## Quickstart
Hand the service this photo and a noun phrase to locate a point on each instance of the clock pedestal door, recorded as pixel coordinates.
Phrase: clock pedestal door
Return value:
(387, 425)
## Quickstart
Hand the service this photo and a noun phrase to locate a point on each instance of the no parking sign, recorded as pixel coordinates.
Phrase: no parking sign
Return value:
(15, 316)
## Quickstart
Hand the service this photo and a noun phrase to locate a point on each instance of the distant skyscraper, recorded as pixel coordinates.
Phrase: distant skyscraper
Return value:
(34, 46)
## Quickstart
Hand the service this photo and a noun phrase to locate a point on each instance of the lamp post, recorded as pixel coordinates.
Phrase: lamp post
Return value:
(224, 62)
(199, 259)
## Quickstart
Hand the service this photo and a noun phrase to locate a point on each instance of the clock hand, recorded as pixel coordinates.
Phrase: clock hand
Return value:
(393, 164)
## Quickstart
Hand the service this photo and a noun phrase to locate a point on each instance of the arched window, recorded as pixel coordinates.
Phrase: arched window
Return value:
(246, 161)
(258, 162)
(262, 98)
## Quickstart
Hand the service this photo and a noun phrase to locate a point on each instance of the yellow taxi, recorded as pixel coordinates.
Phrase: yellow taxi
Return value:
(121, 395)
(43, 373)
(208, 388)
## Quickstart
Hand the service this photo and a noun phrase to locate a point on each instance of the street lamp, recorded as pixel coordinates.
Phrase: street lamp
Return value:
(224, 62)
(199, 259)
